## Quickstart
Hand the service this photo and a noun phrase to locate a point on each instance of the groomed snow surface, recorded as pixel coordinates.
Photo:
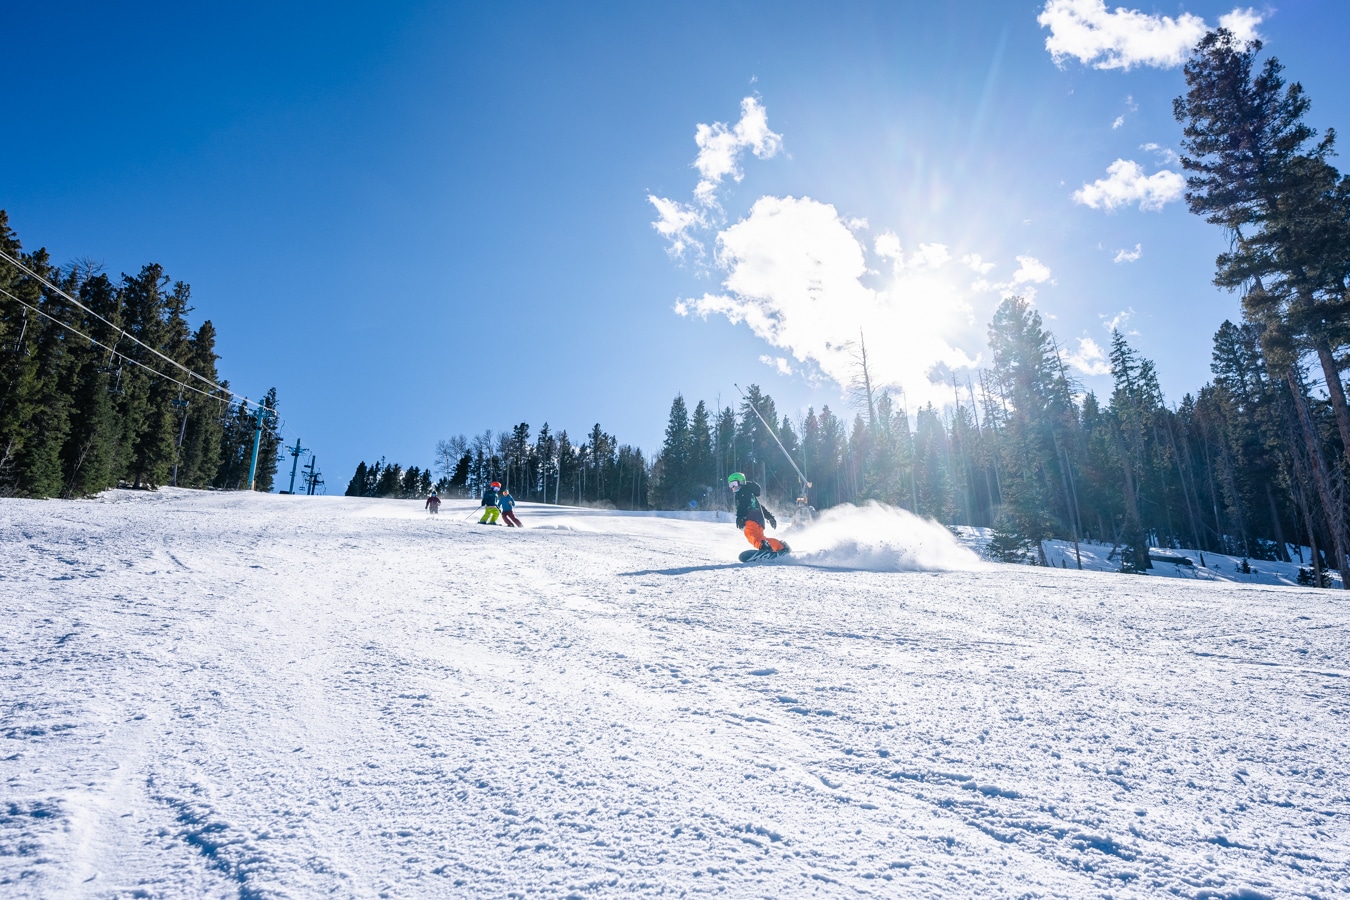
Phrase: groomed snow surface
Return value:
(254, 696)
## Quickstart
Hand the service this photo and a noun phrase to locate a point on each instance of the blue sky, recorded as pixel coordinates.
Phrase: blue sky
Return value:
(417, 220)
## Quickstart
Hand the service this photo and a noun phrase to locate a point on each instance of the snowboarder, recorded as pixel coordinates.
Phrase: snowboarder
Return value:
(491, 503)
(433, 503)
(750, 515)
(508, 504)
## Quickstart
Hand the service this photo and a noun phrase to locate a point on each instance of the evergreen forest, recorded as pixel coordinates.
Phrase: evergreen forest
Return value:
(104, 383)
(545, 467)
(1255, 463)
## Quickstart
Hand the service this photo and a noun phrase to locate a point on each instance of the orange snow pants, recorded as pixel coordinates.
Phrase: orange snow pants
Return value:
(754, 533)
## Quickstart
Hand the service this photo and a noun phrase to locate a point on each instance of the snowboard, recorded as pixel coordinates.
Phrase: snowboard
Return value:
(750, 556)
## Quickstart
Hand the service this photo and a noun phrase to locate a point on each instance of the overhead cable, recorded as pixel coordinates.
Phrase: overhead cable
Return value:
(121, 332)
(123, 356)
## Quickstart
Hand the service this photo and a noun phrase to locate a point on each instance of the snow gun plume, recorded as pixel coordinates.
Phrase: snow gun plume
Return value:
(879, 538)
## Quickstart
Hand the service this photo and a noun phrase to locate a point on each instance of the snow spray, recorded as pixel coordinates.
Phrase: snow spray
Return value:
(879, 538)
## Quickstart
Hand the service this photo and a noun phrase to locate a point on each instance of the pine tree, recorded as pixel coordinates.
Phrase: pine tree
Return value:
(236, 447)
(199, 457)
(600, 454)
(411, 483)
(518, 457)
(390, 483)
(702, 456)
(726, 459)
(935, 496)
(674, 463)
(568, 467)
(459, 477)
(269, 446)
(357, 486)
(39, 463)
(147, 413)
(90, 454)
(1256, 173)
(1133, 402)
(824, 449)
(1025, 376)
(546, 456)
(21, 380)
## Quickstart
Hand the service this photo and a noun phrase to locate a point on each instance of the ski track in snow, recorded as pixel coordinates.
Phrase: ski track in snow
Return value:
(257, 696)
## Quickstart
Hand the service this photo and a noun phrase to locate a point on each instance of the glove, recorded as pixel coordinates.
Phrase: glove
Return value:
(740, 522)
(768, 515)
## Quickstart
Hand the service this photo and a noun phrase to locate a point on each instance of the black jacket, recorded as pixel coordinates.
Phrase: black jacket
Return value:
(747, 505)
(491, 497)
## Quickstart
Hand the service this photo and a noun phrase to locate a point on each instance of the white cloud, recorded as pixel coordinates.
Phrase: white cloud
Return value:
(675, 222)
(1130, 106)
(793, 272)
(929, 256)
(794, 275)
(1117, 322)
(887, 245)
(1126, 183)
(1124, 38)
(1124, 256)
(1031, 270)
(1089, 358)
(1165, 155)
(1242, 22)
(720, 148)
(973, 262)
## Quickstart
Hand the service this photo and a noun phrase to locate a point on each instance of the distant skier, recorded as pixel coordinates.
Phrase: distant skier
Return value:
(750, 515)
(433, 503)
(508, 504)
(491, 503)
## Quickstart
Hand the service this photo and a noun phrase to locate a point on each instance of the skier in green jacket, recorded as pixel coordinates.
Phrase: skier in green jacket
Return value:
(491, 505)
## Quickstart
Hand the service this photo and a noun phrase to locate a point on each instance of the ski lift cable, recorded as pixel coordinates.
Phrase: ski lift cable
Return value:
(805, 484)
(113, 353)
(281, 425)
(122, 333)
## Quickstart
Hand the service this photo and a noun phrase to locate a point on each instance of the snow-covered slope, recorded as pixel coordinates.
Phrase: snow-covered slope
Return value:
(236, 695)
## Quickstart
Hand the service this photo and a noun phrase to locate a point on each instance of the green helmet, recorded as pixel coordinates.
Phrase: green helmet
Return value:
(735, 477)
